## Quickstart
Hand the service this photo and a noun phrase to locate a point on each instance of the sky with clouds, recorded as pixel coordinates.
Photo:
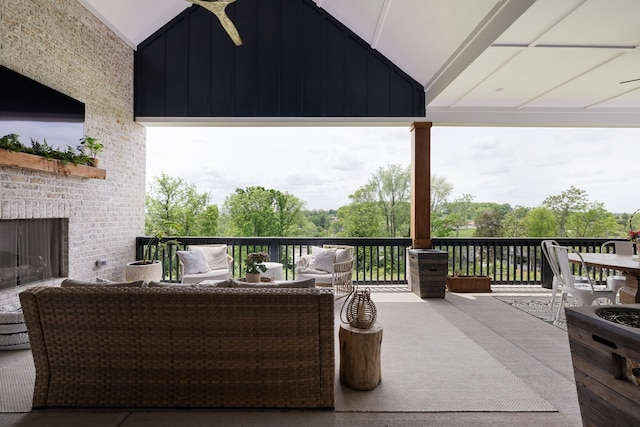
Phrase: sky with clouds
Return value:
(323, 166)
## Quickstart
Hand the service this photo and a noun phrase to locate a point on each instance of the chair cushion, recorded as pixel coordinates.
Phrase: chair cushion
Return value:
(322, 259)
(312, 271)
(221, 274)
(216, 255)
(194, 262)
(323, 278)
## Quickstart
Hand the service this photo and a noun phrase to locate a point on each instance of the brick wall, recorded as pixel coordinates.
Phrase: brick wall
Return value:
(62, 45)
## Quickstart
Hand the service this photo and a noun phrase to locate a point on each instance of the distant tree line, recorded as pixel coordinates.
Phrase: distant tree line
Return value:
(380, 208)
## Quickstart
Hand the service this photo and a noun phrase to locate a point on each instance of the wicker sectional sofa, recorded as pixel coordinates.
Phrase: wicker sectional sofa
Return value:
(189, 347)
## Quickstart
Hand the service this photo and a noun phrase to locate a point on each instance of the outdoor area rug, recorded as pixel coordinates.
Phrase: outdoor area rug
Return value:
(538, 306)
(16, 385)
(429, 365)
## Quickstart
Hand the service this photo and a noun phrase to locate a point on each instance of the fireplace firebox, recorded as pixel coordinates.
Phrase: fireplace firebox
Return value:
(31, 250)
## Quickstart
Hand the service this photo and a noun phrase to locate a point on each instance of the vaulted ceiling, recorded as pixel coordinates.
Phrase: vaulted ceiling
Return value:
(481, 62)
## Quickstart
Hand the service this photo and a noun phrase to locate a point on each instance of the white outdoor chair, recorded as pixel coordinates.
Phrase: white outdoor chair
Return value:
(621, 247)
(556, 283)
(338, 274)
(587, 293)
(219, 262)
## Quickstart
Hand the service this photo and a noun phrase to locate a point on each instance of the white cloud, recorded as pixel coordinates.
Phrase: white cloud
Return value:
(322, 166)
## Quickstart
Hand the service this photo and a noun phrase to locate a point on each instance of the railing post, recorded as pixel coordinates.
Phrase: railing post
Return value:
(274, 250)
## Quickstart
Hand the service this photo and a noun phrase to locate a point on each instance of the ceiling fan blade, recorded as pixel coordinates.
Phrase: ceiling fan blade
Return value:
(217, 7)
(629, 81)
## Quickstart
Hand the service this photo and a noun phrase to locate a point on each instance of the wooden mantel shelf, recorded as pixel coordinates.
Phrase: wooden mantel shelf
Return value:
(38, 163)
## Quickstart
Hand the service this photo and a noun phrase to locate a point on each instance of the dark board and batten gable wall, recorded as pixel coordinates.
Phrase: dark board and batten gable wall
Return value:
(295, 61)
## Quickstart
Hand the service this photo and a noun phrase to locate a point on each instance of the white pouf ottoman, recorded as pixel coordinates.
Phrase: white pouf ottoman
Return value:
(13, 330)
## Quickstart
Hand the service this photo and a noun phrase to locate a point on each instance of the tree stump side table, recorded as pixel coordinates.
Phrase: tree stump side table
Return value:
(360, 356)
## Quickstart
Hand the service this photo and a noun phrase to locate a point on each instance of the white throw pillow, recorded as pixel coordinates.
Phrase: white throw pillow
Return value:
(216, 256)
(194, 262)
(322, 259)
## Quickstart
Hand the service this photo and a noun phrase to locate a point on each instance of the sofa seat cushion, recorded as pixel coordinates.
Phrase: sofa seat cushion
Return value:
(320, 278)
(221, 274)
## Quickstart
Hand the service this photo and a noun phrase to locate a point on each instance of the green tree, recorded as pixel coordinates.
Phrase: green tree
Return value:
(514, 223)
(381, 206)
(173, 200)
(460, 211)
(441, 190)
(489, 223)
(540, 222)
(363, 216)
(565, 204)
(257, 211)
(595, 221)
(207, 223)
(393, 188)
(318, 223)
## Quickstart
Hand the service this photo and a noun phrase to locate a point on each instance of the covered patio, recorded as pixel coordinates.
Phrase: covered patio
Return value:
(490, 62)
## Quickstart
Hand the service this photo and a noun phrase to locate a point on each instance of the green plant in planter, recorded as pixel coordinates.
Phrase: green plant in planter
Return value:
(253, 264)
(157, 237)
(10, 142)
(92, 146)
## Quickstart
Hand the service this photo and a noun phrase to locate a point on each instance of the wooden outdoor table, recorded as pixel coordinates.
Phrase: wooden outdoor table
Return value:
(628, 264)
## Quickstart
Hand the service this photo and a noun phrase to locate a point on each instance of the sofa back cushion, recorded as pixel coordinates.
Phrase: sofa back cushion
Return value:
(308, 283)
(69, 283)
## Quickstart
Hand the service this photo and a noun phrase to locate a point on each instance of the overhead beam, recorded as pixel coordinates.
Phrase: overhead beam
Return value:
(501, 17)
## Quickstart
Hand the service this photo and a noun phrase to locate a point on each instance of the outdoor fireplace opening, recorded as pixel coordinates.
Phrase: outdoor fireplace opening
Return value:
(31, 250)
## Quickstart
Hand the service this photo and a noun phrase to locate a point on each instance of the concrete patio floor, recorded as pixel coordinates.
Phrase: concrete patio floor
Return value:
(537, 352)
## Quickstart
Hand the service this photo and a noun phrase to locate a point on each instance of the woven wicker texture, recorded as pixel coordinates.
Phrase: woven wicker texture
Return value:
(342, 278)
(185, 347)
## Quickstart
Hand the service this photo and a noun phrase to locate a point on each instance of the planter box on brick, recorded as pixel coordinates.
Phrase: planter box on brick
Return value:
(33, 162)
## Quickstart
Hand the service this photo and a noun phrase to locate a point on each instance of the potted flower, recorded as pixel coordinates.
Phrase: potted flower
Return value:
(253, 266)
(93, 147)
(149, 268)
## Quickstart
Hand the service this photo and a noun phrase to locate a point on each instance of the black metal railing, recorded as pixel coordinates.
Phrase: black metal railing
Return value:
(384, 260)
